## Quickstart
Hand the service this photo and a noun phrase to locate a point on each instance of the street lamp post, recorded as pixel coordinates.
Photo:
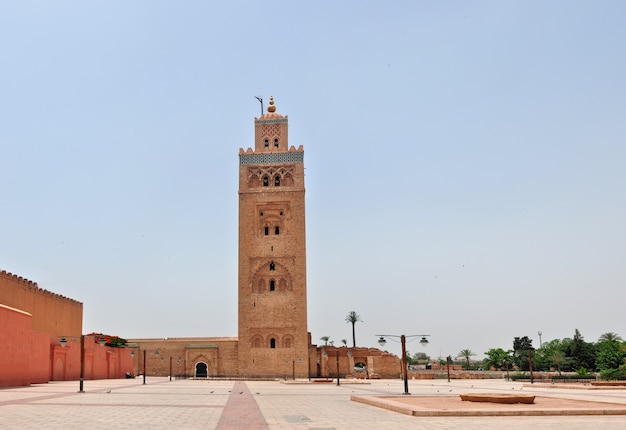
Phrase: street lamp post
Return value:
(63, 342)
(530, 365)
(423, 342)
(144, 367)
(338, 368)
(82, 363)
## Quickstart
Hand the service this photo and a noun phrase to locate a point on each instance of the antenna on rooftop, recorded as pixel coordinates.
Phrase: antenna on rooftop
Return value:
(261, 101)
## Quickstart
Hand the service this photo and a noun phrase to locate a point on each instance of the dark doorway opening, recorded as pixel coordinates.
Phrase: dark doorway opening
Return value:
(202, 370)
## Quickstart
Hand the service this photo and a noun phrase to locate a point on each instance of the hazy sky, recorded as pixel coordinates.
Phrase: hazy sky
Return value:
(465, 162)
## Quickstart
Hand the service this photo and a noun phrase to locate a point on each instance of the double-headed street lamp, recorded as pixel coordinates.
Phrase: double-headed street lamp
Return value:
(423, 342)
(63, 342)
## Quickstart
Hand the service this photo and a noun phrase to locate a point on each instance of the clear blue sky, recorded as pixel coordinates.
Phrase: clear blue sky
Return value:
(465, 162)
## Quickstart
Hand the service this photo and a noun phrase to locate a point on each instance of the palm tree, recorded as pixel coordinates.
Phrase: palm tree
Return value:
(353, 318)
(325, 339)
(466, 353)
(345, 342)
(610, 337)
(557, 358)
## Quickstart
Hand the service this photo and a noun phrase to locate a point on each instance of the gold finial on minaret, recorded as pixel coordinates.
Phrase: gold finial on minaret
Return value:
(271, 107)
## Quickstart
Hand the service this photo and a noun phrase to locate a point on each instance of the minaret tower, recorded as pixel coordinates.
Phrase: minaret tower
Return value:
(273, 335)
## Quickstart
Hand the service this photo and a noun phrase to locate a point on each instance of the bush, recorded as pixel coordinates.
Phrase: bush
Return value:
(517, 376)
(613, 374)
(576, 376)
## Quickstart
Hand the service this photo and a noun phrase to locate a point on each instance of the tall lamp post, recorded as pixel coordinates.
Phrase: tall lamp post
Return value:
(530, 365)
(63, 342)
(338, 368)
(423, 342)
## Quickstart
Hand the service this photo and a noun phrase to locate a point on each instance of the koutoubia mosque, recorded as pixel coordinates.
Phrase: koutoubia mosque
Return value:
(273, 339)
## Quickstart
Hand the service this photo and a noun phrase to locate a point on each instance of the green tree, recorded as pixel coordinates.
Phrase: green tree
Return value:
(543, 358)
(353, 318)
(557, 357)
(421, 356)
(522, 348)
(568, 363)
(582, 353)
(466, 353)
(325, 339)
(497, 358)
(417, 358)
(345, 342)
(610, 355)
(610, 336)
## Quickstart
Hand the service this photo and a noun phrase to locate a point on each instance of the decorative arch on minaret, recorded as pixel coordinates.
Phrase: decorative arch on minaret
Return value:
(270, 176)
(271, 277)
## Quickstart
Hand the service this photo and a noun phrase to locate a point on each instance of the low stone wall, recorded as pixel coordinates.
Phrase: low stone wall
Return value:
(456, 374)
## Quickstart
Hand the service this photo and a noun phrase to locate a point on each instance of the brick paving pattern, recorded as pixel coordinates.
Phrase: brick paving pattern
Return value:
(241, 411)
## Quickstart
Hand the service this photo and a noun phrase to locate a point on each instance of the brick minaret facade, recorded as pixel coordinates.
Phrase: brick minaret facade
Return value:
(273, 335)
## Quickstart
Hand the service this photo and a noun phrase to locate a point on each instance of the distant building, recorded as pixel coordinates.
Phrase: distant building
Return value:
(273, 339)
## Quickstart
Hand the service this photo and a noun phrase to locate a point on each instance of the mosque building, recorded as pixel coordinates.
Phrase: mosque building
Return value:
(273, 338)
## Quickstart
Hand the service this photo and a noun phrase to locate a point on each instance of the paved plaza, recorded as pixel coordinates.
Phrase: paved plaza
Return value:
(220, 404)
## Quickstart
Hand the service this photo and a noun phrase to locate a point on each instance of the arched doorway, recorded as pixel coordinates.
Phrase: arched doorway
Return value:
(202, 370)
(360, 369)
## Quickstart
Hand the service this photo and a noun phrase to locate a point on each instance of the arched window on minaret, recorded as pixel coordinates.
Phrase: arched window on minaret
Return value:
(266, 181)
(267, 230)
(272, 266)
(277, 181)
(272, 285)
(276, 230)
(272, 343)
(266, 143)
(276, 143)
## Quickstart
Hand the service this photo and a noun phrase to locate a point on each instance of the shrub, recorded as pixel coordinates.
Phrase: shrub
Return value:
(613, 374)
(576, 376)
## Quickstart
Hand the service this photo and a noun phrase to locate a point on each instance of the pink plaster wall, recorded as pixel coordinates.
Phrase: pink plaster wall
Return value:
(23, 352)
(101, 362)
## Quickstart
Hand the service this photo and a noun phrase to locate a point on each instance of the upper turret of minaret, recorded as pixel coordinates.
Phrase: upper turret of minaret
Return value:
(270, 131)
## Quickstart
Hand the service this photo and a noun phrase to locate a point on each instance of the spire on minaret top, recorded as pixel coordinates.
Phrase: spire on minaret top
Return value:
(271, 113)
(271, 107)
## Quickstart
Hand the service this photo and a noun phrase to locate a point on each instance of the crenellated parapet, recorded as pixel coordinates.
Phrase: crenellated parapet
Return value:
(33, 287)
(291, 149)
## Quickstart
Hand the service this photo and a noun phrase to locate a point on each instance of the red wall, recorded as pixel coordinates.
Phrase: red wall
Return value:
(101, 362)
(23, 352)
(51, 313)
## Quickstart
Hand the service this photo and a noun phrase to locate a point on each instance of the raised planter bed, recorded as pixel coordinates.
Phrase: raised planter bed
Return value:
(609, 383)
(499, 398)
